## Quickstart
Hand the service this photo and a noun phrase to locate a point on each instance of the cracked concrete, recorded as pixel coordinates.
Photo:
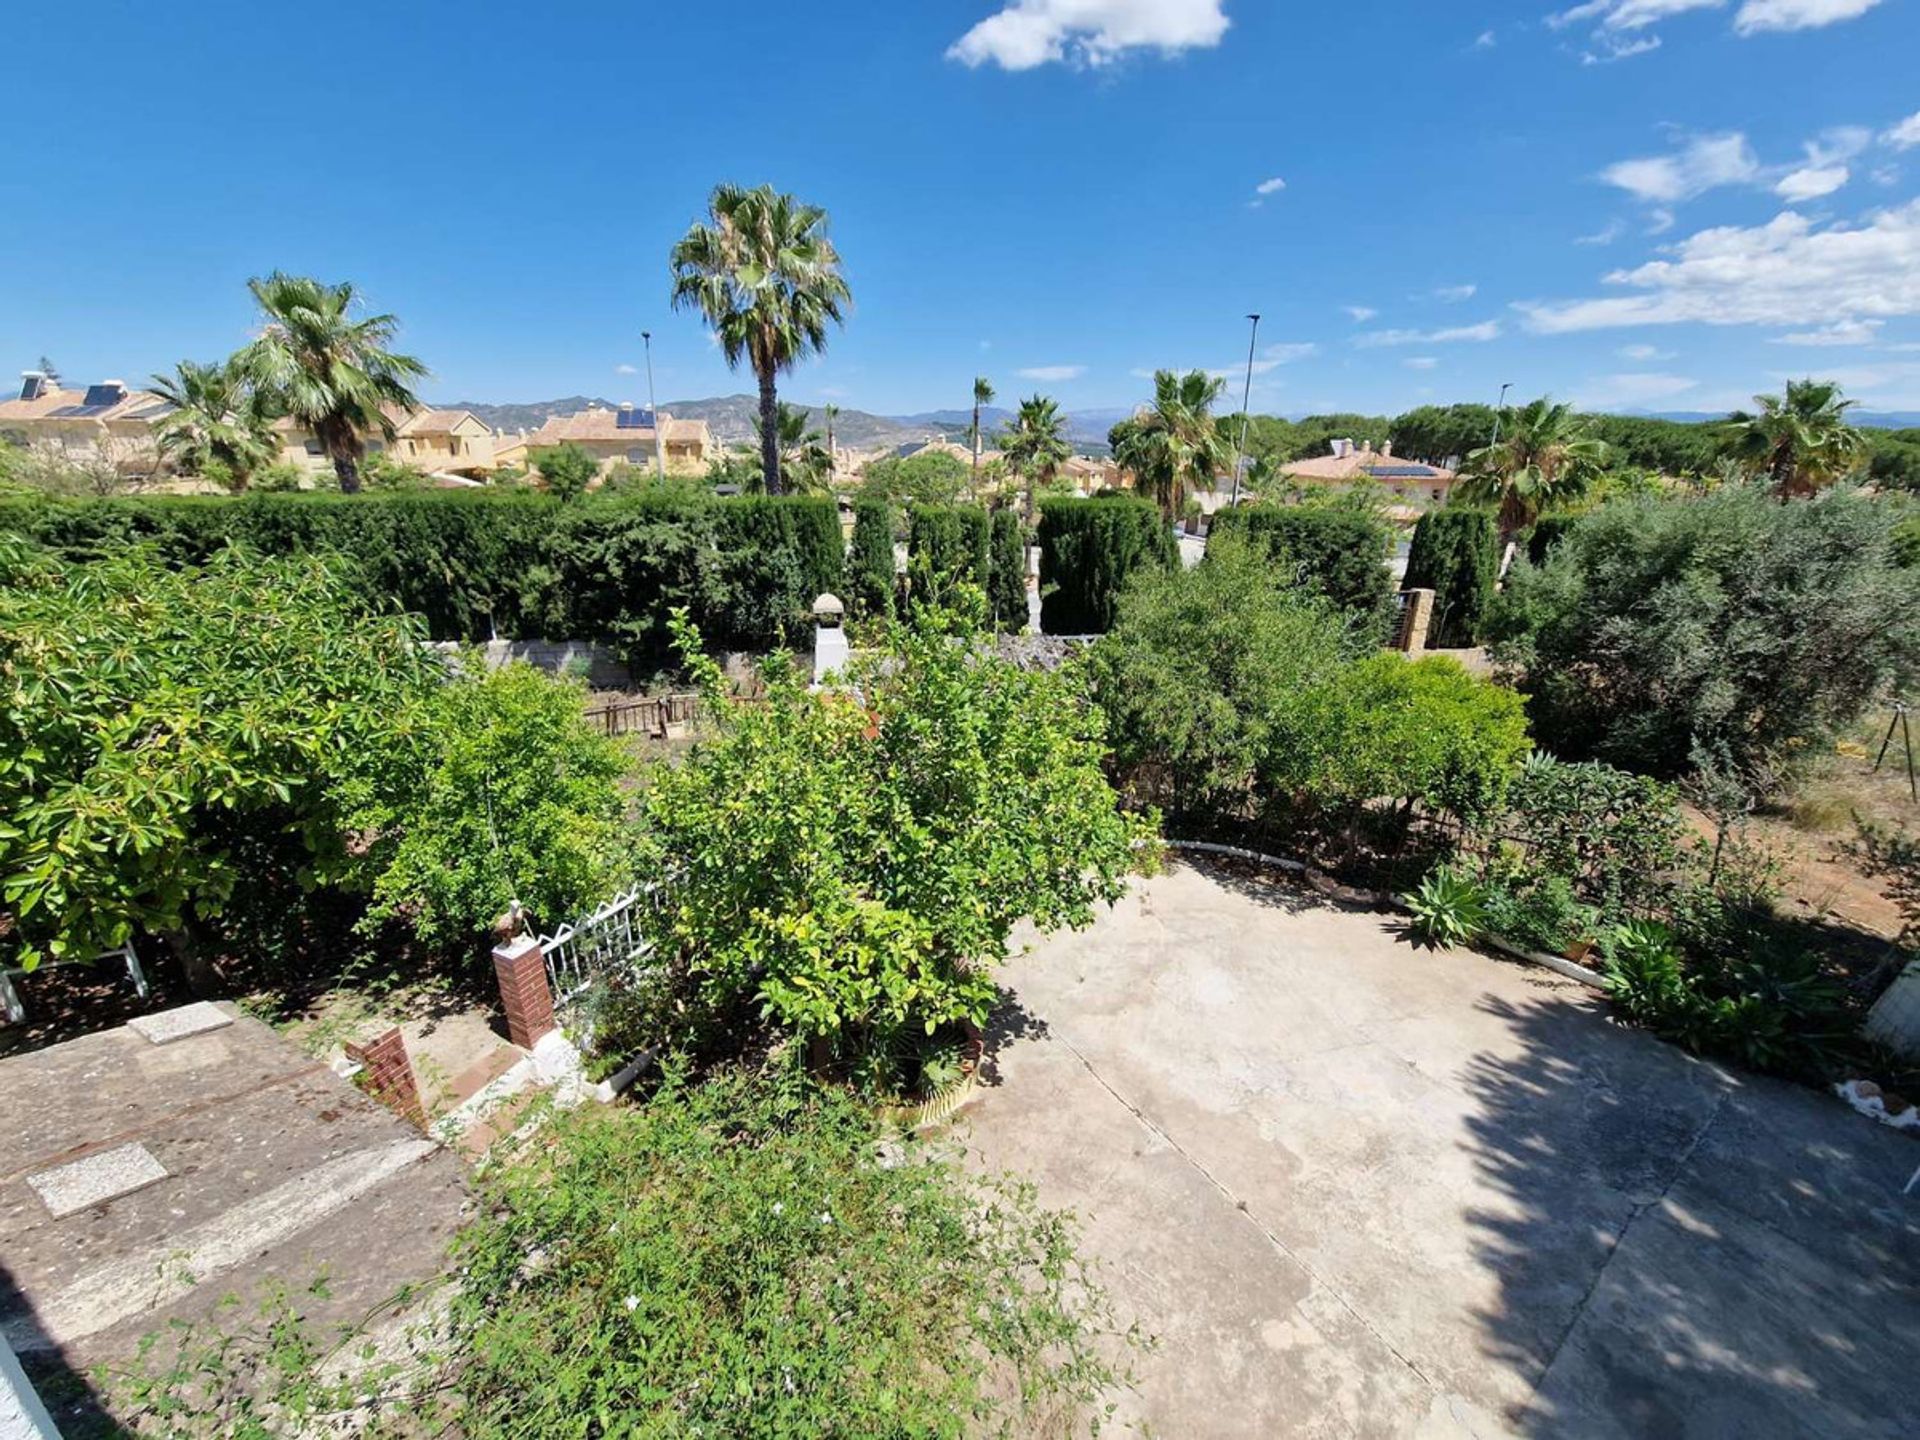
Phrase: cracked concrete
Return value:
(1355, 1188)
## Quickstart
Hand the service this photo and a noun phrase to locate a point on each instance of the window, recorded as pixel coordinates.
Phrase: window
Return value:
(638, 455)
(313, 448)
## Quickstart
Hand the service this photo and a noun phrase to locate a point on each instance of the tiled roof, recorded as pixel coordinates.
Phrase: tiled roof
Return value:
(438, 422)
(604, 425)
(1356, 463)
(50, 405)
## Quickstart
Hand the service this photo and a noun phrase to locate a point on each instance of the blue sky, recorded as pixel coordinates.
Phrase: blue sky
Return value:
(1636, 204)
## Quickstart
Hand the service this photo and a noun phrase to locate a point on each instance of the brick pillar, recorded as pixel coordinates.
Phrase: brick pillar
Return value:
(388, 1077)
(1416, 614)
(524, 993)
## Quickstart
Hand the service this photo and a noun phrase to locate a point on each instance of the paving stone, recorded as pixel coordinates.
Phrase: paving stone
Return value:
(180, 1022)
(112, 1173)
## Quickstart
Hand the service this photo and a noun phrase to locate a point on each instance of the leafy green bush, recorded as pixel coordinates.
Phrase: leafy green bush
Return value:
(1618, 838)
(1454, 554)
(930, 477)
(855, 859)
(567, 469)
(1447, 907)
(1729, 622)
(947, 545)
(161, 730)
(1338, 551)
(870, 582)
(1088, 551)
(1539, 912)
(1007, 573)
(506, 794)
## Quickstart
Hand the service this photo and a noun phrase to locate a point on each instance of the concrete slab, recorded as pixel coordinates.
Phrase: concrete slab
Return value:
(166, 1026)
(103, 1176)
(1357, 1188)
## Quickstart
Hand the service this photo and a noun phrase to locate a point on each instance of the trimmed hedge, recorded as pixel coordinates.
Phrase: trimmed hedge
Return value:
(1007, 573)
(1455, 554)
(946, 545)
(517, 564)
(870, 575)
(1088, 550)
(1340, 553)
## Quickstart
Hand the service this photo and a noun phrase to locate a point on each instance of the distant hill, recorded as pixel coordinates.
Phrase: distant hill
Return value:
(1871, 419)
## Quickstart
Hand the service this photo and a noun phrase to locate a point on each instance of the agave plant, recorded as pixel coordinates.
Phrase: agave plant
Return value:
(1448, 908)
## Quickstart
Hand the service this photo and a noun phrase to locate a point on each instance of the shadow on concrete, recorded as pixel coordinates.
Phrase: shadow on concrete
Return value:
(1263, 884)
(1683, 1251)
(74, 1402)
(1010, 1023)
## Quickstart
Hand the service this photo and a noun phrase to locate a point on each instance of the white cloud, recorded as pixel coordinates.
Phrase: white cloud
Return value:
(626, 370)
(1454, 294)
(1757, 16)
(1704, 162)
(1905, 135)
(1885, 175)
(1643, 353)
(1635, 388)
(1605, 235)
(1659, 221)
(1054, 373)
(1030, 33)
(1627, 14)
(1609, 48)
(1486, 40)
(1268, 187)
(1374, 339)
(1289, 351)
(1785, 272)
(1360, 313)
(1841, 332)
(1810, 182)
(1420, 362)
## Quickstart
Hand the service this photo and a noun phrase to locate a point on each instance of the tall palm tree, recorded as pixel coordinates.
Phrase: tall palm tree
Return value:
(1545, 457)
(982, 395)
(328, 370)
(767, 278)
(1176, 444)
(215, 420)
(804, 463)
(1036, 444)
(1801, 441)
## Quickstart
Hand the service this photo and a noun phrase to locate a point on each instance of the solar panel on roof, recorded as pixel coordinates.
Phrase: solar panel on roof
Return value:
(78, 412)
(1400, 472)
(634, 420)
(103, 396)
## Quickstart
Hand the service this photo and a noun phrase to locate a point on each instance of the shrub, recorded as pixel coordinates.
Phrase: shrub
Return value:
(1088, 551)
(1547, 532)
(506, 795)
(1007, 573)
(947, 545)
(870, 572)
(1447, 908)
(1455, 555)
(930, 477)
(1338, 551)
(568, 470)
(1729, 622)
(1539, 912)
(1617, 837)
(777, 554)
(616, 568)
(854, 860)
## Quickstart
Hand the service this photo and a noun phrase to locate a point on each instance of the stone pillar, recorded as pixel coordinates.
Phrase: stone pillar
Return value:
(1416, 614)
(525, 995)
(388, 1075)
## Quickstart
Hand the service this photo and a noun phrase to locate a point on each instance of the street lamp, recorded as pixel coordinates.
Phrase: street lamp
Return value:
(1246, 400)
(659, 430)
(1499, 409)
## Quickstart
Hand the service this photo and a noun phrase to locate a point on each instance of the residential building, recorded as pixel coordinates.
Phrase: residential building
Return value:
(628, 434)
(450, 442)
(1412, 482)
(106, 418)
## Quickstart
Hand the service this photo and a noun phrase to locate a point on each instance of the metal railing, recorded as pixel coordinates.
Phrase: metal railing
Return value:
(652, 715)
(610, 938)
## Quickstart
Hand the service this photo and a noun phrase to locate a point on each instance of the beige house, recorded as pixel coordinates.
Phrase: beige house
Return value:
(104, 419)
(438, 442)
(627, 435)
(1414, 483)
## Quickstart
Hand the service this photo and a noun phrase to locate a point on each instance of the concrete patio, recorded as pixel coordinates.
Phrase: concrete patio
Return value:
(1357, 1188)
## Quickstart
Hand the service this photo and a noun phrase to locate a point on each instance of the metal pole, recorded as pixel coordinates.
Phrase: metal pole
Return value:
(659, 430)
(1499, 409)
(1246, 400)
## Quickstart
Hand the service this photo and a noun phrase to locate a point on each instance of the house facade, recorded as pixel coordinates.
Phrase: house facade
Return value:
(1413, 483)
(437, 442)
(106, 418)
(628, 434)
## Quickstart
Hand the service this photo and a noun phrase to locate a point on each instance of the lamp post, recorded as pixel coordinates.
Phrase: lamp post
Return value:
(1499, 409)
(1246, 400)
(659, 430)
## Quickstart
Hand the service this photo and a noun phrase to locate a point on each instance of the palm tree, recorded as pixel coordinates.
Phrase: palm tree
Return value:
(831, 412)
(767, 278)
(1036, 444)
(215, 421)
(804, 463)
(1544, 458)
(1175, 444)
(982, 395)
(1800, 442)
(331, 372)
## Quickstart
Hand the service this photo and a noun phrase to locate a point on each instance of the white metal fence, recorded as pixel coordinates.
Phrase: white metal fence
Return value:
(610, 938)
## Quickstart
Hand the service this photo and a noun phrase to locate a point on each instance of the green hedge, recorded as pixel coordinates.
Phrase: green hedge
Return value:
(1341, 553)
(514, 564)
(1547, 532)
(946, 545)
(870, 575)
(1088, 550)
(1455, 554)
(1007, 573)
